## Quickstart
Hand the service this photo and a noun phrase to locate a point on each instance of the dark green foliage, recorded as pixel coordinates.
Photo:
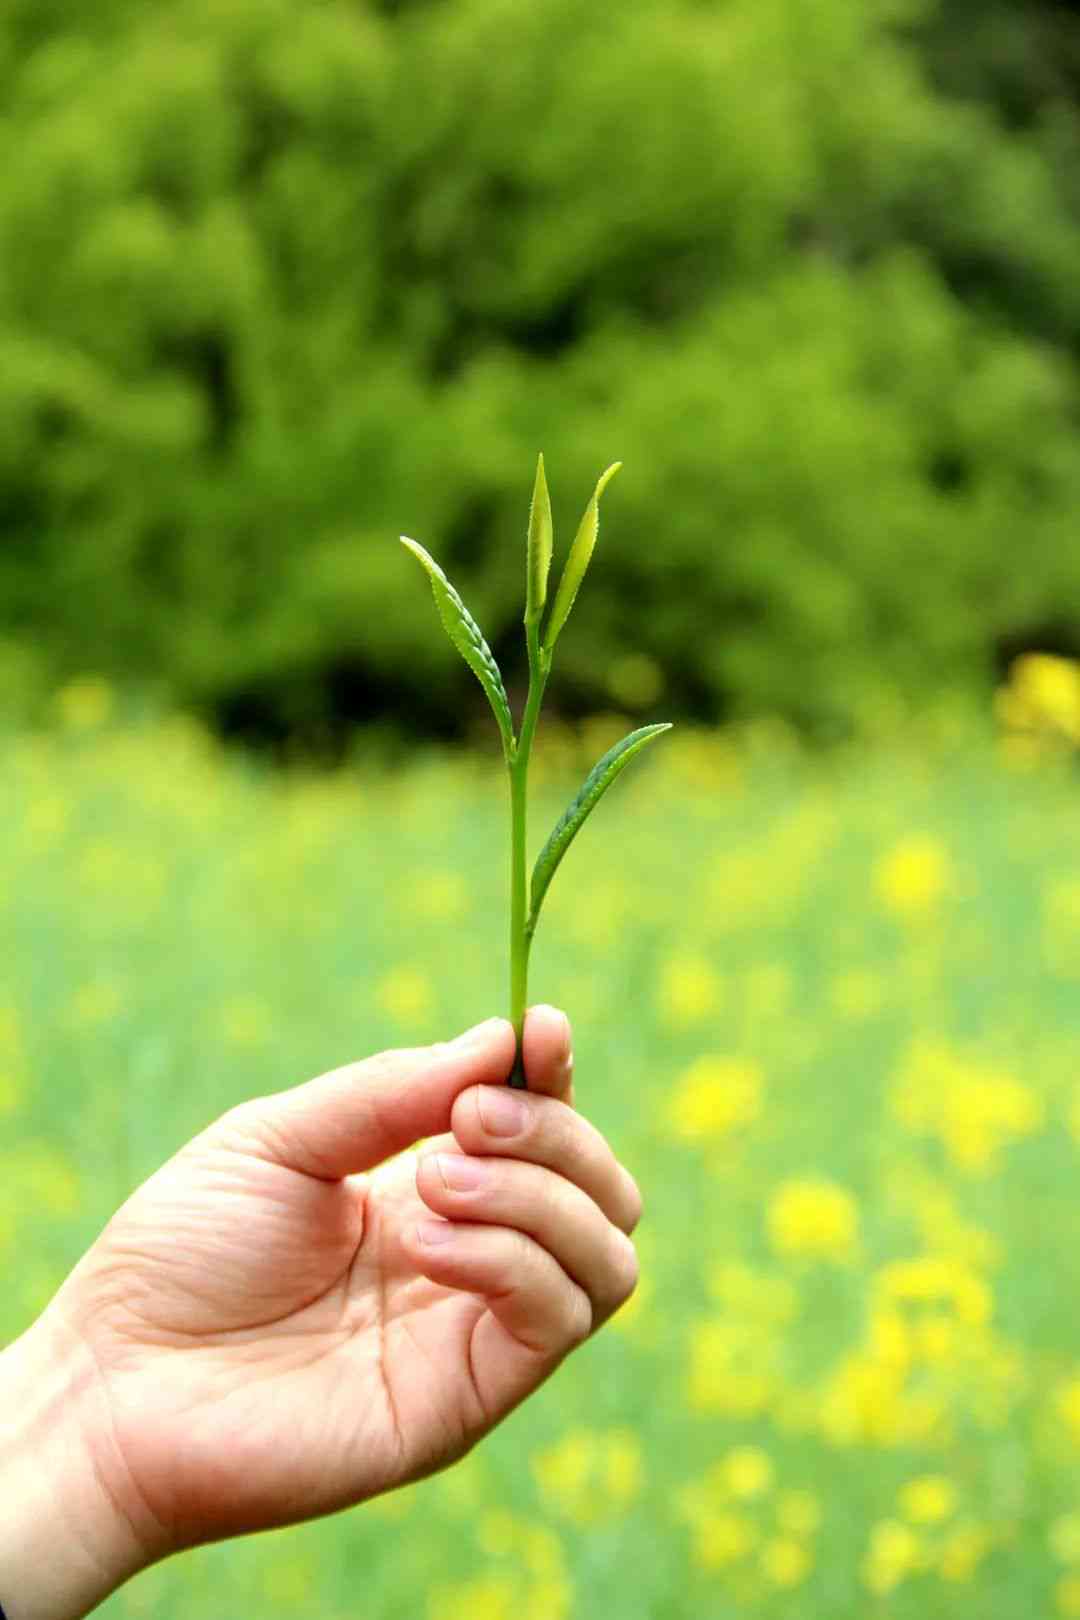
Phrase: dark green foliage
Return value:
(279, 278)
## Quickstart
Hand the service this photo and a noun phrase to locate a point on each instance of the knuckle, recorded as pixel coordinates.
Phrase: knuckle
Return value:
(579, 1315)
(243, 1126)
(379, 1067)
(550, 1194)
(566, 1132)
(524, 1262)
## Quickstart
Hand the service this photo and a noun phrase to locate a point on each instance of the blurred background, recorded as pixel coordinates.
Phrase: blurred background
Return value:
(280, 279)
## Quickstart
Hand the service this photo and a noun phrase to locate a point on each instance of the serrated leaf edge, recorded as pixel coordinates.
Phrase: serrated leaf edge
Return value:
(469, 642)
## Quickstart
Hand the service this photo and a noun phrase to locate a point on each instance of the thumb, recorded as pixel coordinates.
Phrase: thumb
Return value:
(354, 1117)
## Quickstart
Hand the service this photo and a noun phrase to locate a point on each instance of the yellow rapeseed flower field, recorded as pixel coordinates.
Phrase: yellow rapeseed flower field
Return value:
(830, 1016)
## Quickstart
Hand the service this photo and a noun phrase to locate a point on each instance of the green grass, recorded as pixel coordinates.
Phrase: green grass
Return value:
(829, 1016)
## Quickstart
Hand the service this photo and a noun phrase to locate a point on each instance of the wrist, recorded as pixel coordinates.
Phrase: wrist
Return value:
(64, 1542)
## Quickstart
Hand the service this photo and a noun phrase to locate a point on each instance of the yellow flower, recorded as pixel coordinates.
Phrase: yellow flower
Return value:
(591, 1475)
(548, 1600)
(1042, 697)
(541, 1552)
(405, 995)
(535, 1586)
(1064, 1538)
(928, 1500)
(936, 1338)
(890, 1340)
(722, 1539)
(938, 1280)
(623, 1469)
(944, 1230)
(815, 1218)
(911, 879)
(730, 1370)
(715, 1096)
(1067, 1595)
(563, 1471)
(753, 1296)
(1068, 1407)
(785, 1562)
(895, 1553)
(862, 1402)
(492, 1597)
(690, 989)
(962, 1552)
(84, 704)
(746, 1472)
(975, 1109)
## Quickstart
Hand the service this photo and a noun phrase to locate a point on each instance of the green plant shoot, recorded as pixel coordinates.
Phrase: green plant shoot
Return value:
(526, 899)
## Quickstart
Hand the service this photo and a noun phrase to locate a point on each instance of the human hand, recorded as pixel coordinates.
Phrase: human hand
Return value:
(293, 1314)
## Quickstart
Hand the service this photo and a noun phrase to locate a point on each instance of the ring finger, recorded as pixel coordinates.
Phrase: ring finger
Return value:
(558, 1215)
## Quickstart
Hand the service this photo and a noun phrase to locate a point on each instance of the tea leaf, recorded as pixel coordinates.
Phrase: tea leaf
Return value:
(578, 560)
(593, 789)
(466, 635)
(540, 542)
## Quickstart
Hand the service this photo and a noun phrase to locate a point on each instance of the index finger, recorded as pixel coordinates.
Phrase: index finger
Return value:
(353, 1118)
(548, 1052)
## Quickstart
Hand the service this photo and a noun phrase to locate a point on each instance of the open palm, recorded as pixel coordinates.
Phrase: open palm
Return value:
(275, 1331)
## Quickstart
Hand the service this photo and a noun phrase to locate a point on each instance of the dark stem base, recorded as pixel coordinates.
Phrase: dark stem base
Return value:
(517, 1074)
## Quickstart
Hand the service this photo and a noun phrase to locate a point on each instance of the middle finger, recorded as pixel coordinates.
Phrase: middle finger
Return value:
(495, 1120)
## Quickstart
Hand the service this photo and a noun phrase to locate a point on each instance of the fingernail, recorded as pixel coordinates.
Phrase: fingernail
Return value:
(431, 1233)
(478, 1034)
(502, 1112)
(460, 1174)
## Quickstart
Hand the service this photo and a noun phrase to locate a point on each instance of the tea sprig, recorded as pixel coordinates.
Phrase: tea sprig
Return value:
(525, 899)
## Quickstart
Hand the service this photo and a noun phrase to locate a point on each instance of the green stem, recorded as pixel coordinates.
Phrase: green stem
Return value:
(518, 764)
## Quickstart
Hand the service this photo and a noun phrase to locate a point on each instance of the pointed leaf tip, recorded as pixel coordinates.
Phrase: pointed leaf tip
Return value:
(578, 561)
(605, 479)
(540, 544)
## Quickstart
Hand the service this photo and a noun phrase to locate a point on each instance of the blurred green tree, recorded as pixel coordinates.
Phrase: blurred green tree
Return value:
(279, 278)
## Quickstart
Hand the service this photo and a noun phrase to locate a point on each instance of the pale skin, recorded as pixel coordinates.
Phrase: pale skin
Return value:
(295, 1314)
